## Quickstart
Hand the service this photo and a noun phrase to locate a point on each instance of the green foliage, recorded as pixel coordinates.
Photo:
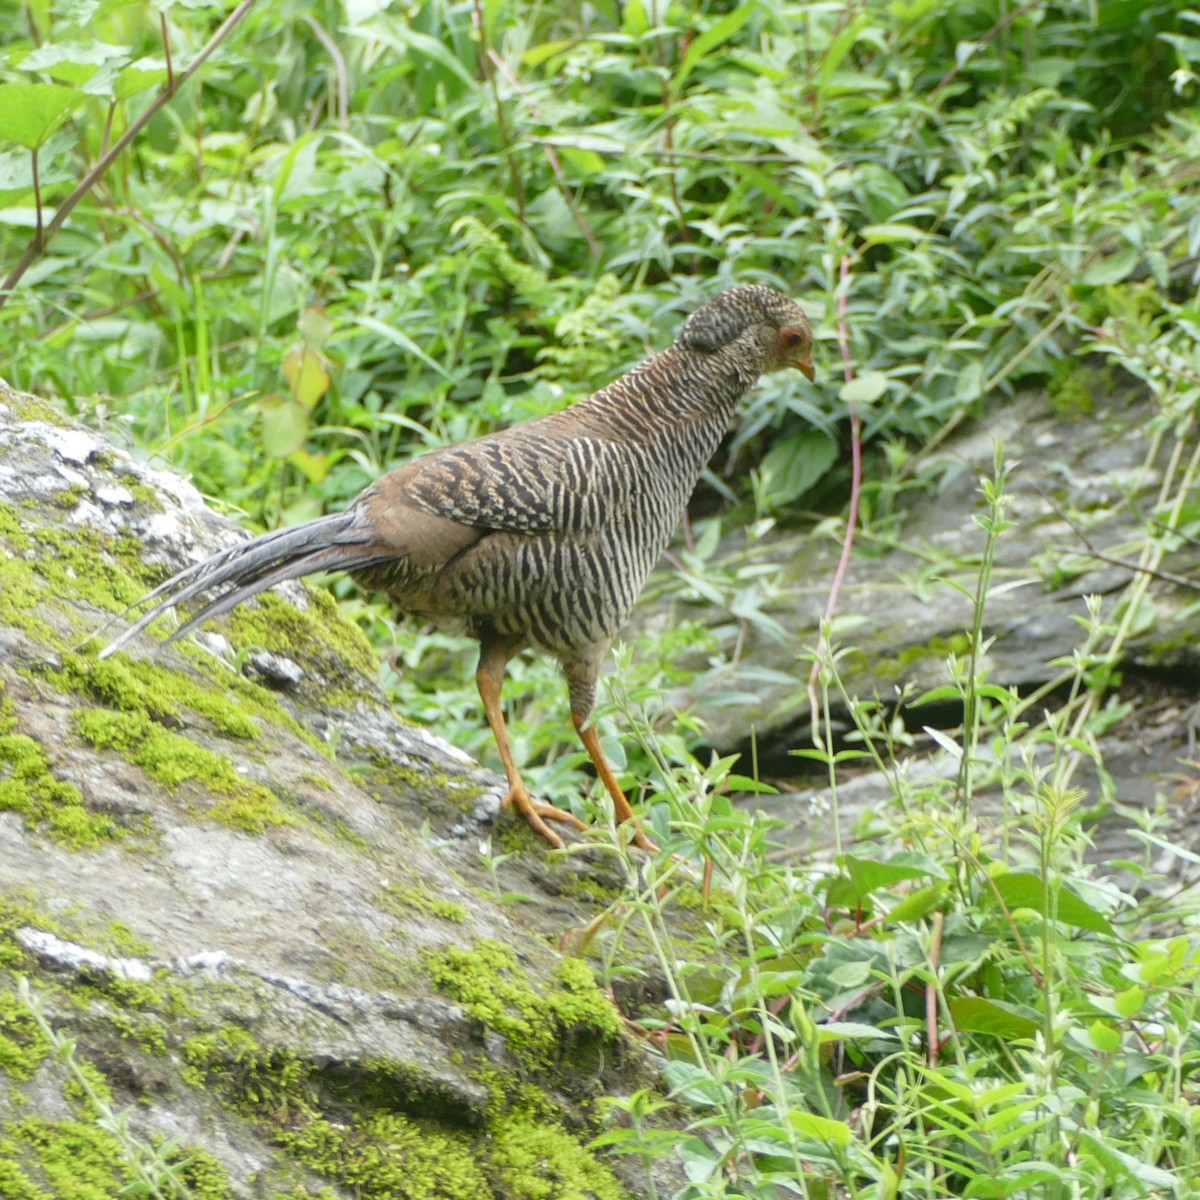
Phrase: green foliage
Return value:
(332, 251)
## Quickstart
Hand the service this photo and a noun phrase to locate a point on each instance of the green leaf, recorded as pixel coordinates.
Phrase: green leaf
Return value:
(1025, 889)
(315, 327)
(304, 369)
(585, 162)
(635, 19)
(1112, 269)
(314, 466)
(864, 389)
(30, 112)
(709, 40)
(820, 1129)
(284, 426)
(880, 235)
(917, 904)
(975, 1014)
(77, 64)
(139, 76)
(852, 1031)
(794, 465)
(868, 875)
(1104, 1037)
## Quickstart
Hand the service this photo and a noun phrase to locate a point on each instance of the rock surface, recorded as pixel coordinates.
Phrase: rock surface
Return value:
(213, 880)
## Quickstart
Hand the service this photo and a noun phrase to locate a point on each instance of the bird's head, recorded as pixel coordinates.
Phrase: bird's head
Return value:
(757, 317)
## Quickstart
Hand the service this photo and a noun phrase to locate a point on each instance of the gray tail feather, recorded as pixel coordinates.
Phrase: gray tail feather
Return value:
(335, 543)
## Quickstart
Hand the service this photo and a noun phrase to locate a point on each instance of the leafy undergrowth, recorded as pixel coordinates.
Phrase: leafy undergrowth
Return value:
(371, 229)
(958, 1000)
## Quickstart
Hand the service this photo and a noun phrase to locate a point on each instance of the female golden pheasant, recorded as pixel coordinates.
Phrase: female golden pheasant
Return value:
(541, 535)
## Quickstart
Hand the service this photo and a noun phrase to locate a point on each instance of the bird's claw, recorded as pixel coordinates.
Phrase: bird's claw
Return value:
(538, 812)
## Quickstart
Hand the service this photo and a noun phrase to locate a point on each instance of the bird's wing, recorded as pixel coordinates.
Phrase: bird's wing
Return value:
(526, 482)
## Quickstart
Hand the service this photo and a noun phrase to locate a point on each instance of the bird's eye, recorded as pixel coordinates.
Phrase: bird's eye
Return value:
(791, 337)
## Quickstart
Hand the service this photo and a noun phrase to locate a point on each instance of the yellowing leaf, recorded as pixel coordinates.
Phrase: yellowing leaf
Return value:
(304, 369)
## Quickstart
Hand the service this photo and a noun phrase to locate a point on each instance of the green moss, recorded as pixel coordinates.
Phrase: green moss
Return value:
(937, 648)
(23, 1047)
(28, 787)
(587, 888)
(61, 1160)
(171, 759)
(487, 982)
(298, 633)
(391, 1157)
(133, 686)
(50, 566)
(201, 1173)
(398, 900)
(18, 911)
(272, 1083)
(33, 408)
(536, 1160)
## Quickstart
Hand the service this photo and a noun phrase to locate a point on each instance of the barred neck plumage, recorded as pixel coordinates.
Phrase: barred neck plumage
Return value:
(668, 393)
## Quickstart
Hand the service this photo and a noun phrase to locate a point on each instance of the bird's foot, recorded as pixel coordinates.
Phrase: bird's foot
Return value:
(538, 812)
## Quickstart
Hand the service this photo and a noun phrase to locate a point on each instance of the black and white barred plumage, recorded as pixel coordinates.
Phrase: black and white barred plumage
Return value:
(541, 535)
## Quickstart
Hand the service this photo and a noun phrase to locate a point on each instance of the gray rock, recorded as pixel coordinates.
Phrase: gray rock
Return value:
(242, 930)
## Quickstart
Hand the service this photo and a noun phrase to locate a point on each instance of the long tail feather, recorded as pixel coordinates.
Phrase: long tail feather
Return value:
(336, 543)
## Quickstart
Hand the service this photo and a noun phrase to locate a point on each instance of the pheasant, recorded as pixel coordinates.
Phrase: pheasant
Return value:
(538, 536)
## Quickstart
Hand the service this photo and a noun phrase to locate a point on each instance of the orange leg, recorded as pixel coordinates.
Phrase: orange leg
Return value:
(488, 679)
(591, 743)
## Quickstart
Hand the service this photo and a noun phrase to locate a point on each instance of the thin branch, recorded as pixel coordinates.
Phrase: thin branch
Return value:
(559, 174)
(38, 244)
(486, 62)
(37, 198)
(839, 575)
(166, 41)
(1002, 24)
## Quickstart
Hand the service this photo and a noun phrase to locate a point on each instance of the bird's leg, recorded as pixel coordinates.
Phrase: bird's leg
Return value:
(488, 679)
(591, 743)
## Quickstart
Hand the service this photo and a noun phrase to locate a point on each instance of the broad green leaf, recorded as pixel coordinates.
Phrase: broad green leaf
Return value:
(864, 389)
(314, 466)
(77, 64)
(793, 466)
(820, 1129)
(284, 426)
(30, 112)
(1112, 269)
(1024, 889)
(1129, 1002)
(586, 162)
(868, 875)
(917, 904)
(138, 77)
(315, 327)
(976, 1014)
(1104, 1037)
(635, 19)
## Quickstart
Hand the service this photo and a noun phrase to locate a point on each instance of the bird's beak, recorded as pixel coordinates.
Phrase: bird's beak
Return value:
(794, 338)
